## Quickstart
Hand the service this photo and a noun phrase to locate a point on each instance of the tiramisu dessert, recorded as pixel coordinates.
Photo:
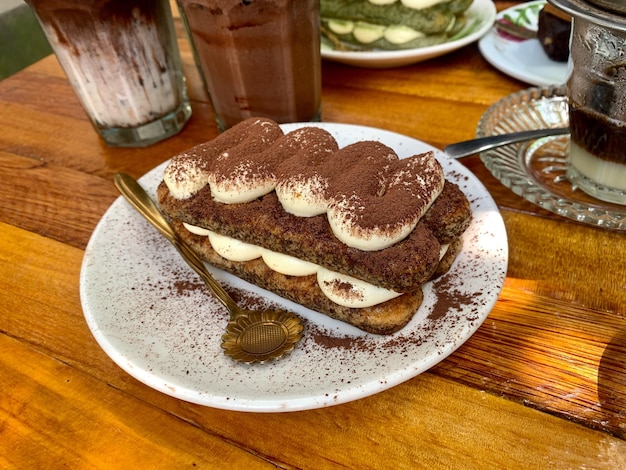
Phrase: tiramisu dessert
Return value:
(350, 232)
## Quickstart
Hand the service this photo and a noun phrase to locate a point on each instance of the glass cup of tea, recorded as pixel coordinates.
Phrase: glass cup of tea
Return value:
(596, 89)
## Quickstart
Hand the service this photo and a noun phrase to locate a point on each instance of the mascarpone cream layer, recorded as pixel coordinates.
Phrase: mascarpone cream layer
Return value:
(340, 288)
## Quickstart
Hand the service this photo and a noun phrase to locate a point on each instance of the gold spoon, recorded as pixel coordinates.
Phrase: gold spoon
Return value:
(251, 335)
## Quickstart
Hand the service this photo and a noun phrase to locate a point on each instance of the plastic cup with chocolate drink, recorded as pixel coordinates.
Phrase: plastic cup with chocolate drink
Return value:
(257, 57)
(122, 59)
(596, 90)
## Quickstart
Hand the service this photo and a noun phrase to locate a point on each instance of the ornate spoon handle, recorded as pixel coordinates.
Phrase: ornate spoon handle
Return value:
(144, 204)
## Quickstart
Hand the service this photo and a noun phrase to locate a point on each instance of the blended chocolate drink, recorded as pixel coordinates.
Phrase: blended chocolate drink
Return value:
(257, 57)
(122, 60)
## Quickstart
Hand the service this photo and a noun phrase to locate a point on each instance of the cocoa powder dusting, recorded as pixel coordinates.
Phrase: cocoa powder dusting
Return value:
(365, 181)
(450, 302)
(182, 287)
(346, 288)
(449, 297)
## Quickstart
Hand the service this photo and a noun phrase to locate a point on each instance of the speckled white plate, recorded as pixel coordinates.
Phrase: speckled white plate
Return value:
(153, 317)
(481, 15)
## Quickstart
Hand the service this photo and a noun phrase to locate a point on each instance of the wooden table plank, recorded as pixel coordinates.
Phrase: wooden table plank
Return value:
(540, 385)
(35, 129)
(567, 262)
(547, 355)
(55, 201)
(58, 416)
(85, 422)
(522, 351)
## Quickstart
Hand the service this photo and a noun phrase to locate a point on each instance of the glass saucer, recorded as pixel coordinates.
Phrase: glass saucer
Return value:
(535, 170)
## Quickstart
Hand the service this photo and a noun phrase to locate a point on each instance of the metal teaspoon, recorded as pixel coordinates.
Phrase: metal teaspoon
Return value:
(470, 147)
(251, 335)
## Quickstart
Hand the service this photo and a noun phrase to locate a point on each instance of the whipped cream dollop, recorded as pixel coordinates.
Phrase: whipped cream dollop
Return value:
(218, 161)
(232, 249)
(373, 210)
(227, 247)
(371, 197)
(288, 265)
(195, 178)
(350, 292)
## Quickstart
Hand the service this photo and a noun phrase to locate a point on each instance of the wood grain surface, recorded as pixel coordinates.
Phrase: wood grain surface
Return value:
(541, 384)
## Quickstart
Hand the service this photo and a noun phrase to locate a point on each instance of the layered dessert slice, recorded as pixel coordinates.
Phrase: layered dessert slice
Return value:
(353, 233)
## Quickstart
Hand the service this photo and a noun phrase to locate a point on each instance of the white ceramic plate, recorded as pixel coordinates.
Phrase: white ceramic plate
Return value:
(524, 60)
(481, 15)
(154, 318)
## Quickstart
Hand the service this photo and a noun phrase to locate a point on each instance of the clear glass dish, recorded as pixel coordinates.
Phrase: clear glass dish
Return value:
(535, 170)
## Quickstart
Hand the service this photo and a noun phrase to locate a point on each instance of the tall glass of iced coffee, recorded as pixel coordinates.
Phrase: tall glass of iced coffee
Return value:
(597, 97)
(257, 57)
(122, 60)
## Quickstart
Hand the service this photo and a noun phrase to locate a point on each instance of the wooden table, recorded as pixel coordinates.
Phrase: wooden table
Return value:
(542, 384)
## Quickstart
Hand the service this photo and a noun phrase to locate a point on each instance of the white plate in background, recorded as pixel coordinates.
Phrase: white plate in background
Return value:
(481, 15)
(524, 60)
